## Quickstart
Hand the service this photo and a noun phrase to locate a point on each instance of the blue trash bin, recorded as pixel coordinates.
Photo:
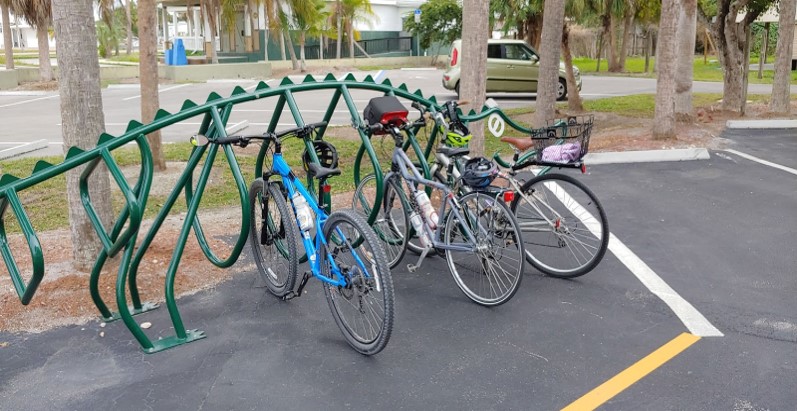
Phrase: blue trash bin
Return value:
(178, 54)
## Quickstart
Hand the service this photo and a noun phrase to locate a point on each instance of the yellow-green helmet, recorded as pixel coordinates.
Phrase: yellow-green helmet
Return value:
(457, 136)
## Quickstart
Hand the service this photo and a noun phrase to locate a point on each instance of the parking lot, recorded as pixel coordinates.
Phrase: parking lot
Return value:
(718, 232)
(702, 247)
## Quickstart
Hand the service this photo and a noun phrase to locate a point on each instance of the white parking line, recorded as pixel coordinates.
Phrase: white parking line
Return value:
(22, 148)
(252, 87)
(762, 161)
(28, 101)
(266, 110)
(688, 314)
(159, 91)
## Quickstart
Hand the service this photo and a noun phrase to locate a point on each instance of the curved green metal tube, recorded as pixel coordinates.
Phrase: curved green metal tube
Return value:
(196, 155)
(112, 247)
(181, 241)
(25, 292)
(141, 192)
(218, 131)
(366, 142)
(245, 217)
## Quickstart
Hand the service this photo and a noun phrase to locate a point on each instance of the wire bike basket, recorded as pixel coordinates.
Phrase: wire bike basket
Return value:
(563, 142)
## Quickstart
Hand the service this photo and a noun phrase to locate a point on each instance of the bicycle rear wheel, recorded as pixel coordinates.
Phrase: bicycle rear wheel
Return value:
(565, 230)
(392, 223)
(363, 308)
(491, 274)
(273, 237)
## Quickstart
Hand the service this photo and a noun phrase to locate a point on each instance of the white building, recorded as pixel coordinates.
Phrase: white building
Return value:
(389, 14)
(22, 34)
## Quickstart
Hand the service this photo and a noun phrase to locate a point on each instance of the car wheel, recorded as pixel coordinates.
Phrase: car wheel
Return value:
(561, 90)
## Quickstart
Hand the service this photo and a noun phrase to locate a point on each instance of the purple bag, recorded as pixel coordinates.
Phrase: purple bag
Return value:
(562, 154)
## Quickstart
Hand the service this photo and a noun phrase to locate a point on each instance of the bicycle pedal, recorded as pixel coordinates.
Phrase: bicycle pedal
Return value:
(412, 268)
(290, 296)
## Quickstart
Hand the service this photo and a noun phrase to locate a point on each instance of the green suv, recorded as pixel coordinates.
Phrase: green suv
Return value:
(512, 66)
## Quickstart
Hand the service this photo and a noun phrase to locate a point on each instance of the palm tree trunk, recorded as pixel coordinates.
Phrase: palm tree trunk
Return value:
(291, 51)
(628, 28)
(8, 42)
(573, 97)
(45, 68)
(129, 17)
(648, 48)
(664, 115)
(687, 30)
(351, 39)
(340, 32)
(783, 56)
(474, 68)
(600, 52)
(148, 73)
(214, 57)
(614, 60)
(550, 47)
(302, 39)
(282, 46)
(82, 120)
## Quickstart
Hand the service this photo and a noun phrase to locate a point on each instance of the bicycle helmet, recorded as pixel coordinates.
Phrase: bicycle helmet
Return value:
(457, 135)
(479, 172)
(326, 152)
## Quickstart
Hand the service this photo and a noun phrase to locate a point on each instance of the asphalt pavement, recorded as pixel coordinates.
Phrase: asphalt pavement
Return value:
(719, 232)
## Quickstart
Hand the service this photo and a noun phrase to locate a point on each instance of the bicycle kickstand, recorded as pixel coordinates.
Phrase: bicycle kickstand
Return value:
(298, 293)
(412, 267)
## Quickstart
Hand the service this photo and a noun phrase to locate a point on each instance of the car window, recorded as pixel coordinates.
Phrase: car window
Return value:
(493, 51)
(516, 52)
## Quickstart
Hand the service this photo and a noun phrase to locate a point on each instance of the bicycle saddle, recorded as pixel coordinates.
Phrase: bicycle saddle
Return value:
(453, 152)
(521, 144)
(320, 172)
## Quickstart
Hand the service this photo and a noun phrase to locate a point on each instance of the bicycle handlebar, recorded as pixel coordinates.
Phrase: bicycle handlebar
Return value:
(243, 141)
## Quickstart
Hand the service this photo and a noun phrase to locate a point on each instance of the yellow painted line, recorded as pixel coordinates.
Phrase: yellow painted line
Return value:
(632, 374)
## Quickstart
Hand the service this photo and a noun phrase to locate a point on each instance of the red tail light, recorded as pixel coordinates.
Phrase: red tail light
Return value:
(394, 117)
(454, 57)
(583, 169)
(509, 196)
(326, 188)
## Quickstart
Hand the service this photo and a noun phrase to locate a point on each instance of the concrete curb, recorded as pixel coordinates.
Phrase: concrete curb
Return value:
(647, 156)
(760, 124)
(22, 149)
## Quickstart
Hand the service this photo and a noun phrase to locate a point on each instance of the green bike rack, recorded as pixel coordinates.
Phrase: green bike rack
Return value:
(123, 238)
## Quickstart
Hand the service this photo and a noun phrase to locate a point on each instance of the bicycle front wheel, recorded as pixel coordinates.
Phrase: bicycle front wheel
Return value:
(564, 226)
(273, 237)
(392, 223)
(489, 275)
(363, 308)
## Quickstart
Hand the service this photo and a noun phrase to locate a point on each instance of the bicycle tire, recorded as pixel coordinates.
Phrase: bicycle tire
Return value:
(579, 242)
(378, 289)
(481, 275)
(277, 262)
(392, 224)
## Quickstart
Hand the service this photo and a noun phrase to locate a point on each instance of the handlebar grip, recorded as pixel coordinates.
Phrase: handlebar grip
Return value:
(228, 140)
(312, 126)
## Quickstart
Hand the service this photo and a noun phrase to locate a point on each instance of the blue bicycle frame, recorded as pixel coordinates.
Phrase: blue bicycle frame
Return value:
(292, 185)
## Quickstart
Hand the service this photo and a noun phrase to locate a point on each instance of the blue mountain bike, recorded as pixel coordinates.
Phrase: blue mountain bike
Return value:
(342, 249)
